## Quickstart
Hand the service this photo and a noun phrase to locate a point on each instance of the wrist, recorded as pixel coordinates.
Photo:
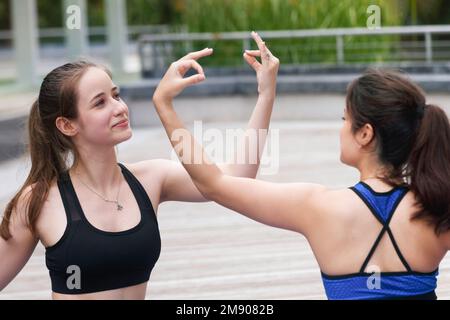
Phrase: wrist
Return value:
(162, 102)
(268, 95)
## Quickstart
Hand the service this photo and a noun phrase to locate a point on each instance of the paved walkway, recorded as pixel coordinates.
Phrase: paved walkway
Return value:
(209, 252)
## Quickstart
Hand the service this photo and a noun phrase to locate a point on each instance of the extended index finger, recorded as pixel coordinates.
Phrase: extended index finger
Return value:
(198, 54)
(258, 40)
(265, 53)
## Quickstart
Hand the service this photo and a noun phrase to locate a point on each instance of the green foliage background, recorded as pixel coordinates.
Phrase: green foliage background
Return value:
(246, 15)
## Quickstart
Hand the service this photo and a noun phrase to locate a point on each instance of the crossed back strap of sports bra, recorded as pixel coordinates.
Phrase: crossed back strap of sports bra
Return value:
(382, 205)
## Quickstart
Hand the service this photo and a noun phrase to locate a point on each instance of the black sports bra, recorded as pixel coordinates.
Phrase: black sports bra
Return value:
(87, 259)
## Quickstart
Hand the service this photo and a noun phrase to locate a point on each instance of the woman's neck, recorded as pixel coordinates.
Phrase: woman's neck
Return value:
(99, 170)
(374, 171)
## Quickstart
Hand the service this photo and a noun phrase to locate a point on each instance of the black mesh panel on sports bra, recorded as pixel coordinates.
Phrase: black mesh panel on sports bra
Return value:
(69, 200)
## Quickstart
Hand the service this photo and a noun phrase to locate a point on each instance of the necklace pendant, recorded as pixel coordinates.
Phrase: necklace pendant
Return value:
(119, 207)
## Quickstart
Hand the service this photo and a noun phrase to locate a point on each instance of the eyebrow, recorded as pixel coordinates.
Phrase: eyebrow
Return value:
(102, 93)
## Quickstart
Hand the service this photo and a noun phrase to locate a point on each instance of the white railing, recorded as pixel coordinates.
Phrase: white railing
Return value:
(92, 31)
(153, 47)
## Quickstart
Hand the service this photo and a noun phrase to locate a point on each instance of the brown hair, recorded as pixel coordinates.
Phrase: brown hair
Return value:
(48, 147)
(412, 139)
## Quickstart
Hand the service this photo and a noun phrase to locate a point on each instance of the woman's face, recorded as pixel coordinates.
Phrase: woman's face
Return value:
(350, 149)
(100, 109)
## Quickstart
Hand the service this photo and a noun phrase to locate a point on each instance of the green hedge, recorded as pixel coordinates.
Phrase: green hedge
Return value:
(50, 12)
(226, 15)
(246, 15)
(235, 15)
(204, 16)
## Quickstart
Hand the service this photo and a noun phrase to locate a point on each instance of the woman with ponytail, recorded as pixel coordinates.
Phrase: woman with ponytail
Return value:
(382, 238)
(95, 217)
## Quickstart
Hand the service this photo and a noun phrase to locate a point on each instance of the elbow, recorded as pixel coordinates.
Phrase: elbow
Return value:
(253, 174)
(245, 171)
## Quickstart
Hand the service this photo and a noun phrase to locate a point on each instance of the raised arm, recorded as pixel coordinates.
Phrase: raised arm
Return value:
(16, 251)
(176, 183)
(290, 206)
(266, 75)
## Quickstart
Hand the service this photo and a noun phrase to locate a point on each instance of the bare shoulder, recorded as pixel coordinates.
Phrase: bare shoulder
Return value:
(317, 209)
(147, 169)
(337, 222)
(335, 210)
(152, 172)
(335, 202)
(151, 175)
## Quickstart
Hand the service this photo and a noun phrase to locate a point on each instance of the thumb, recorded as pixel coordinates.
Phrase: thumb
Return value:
(252, 61)
(196, 78)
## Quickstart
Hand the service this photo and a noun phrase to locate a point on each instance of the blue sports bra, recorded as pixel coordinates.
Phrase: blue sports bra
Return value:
(407, 284)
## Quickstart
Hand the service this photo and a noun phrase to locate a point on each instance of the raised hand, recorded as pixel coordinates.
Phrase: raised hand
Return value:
(267, 69)
(173, 82)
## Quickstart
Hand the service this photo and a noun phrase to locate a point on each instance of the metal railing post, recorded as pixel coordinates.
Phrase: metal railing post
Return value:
(428, 47)
(340, 49)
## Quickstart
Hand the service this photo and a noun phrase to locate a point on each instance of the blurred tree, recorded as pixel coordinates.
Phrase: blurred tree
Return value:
(96, 12)
(5, 19)
(413, 12)
(142, 12)
(239, 14)
(433, 12)
(50, 13)
(202, 15)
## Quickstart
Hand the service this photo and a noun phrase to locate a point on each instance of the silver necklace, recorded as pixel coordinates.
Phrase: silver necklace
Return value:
(119, 206)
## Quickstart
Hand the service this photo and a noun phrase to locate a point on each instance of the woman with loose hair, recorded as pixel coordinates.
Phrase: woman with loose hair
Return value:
(96, 217)
(382, 238)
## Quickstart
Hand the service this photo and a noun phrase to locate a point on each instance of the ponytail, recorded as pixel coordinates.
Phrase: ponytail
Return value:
(429, 168)
(43, 169)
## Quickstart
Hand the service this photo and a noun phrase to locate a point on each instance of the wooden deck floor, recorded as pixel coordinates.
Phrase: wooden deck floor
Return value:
(209, 252)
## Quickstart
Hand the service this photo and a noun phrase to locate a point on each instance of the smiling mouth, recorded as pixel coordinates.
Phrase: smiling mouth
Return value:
(121, 123)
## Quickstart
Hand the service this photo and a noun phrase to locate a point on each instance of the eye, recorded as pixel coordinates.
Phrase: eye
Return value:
(343, 118)
(100, 103)
(117, 96)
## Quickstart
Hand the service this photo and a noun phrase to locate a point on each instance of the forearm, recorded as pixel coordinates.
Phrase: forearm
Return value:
(203, 172)
(253, 142)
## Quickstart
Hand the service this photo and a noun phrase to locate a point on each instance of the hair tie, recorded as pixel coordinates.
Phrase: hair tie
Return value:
(420, 110)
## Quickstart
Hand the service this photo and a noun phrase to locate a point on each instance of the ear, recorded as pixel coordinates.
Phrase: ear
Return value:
(67, 127)
(365, 135)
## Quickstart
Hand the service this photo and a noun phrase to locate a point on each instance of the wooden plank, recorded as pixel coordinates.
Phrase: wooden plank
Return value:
(209, 252)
